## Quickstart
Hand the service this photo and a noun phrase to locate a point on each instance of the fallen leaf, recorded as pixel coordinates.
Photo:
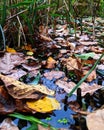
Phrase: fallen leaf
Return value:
(86, 43)
(10, 50)
(91, 76)
(50, 63)
(85, 88)
(71, 63)
(9, 61)
(7, 124)
(46, 104)
(85, 56)
(45, 38)
(84, 38)
(7, 103)
(28, 48)
(96, 49)
(40, 127)
(21, 90)
(101, 67)
(16, 74)
(54, 74)
(95, 120)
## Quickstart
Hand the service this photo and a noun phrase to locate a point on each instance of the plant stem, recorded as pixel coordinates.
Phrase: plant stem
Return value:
(84, 78)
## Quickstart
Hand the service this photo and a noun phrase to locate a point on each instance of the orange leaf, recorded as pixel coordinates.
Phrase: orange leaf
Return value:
(11, 50)
(50, 63)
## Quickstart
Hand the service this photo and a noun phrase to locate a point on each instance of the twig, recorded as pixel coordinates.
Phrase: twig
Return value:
(16, 14)
(20, 30)
(3, 37)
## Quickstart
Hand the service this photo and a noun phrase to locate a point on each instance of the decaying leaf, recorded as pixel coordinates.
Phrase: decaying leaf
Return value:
(54, 74)
(45, 38)
(17, 73)
(85, 88)
(7, 124)
(46, 104)
(95, 120)
(9, 61)
(20, 90)
(91, 77)
(7, 103)
(71, 63)
(11, 50)
(40, 127)
(50, 63)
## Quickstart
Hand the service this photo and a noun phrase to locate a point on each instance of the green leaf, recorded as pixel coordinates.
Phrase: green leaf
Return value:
(85, 56)
(31, 119)
(33, 126)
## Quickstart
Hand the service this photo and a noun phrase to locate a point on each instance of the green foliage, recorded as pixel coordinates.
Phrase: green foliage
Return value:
(33, 13)
(34, 121)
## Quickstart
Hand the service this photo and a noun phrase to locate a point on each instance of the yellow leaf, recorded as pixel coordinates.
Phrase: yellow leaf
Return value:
(46, 104)
(30, 53)
(11, 50)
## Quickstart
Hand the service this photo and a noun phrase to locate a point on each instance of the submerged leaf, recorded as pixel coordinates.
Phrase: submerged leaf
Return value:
(46, 104)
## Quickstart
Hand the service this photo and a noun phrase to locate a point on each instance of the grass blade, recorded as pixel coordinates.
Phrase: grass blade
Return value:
(84, 78)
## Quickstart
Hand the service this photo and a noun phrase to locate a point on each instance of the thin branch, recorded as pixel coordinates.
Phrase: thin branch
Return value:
(3, 37)
(15, 15)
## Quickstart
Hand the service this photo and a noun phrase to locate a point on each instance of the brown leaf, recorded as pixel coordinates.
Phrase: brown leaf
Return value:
(91, 77)
(40, 127)
(50, 63)
(7, 103)
(7, 124)
(72, 63)
(85, 88)
(95, 120)
(54, 74)
(45, 38)
(9, 61)
(20, 90)
(96, 49)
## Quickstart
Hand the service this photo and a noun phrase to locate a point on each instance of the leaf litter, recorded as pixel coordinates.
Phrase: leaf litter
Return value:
(62, 62)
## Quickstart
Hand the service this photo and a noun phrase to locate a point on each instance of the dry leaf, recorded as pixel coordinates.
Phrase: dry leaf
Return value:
(86, 43)
(71, 63)
(16, 74)
(10, 50)
(9, 61)
(46, 104)
(50, 63)
(95, 120)
(45, 38)
(7, 124)
(91, 76)
(40, 127)
(85, 88)
(28, 48)
(84, 38)
(101, 67)
(20, 90)
(54, 74)
(7, 103)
